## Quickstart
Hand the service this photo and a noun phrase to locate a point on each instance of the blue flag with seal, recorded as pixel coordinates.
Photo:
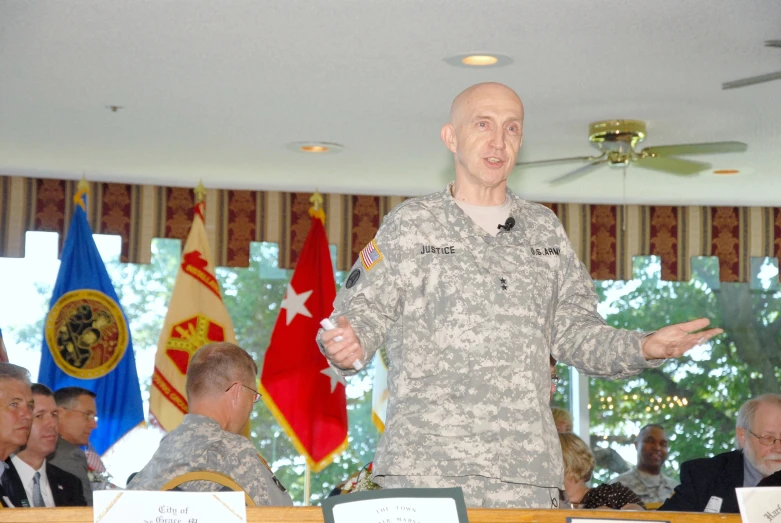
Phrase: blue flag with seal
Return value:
(86, 340)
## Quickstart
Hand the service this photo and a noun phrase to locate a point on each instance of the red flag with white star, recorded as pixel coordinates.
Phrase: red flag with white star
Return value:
(303, 392)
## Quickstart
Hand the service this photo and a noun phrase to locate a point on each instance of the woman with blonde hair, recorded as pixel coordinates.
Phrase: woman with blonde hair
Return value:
(562, 419)
(578, 467)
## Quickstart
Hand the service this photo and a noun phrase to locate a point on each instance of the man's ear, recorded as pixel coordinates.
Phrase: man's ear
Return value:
(448, 135)
(233, 393)
(740, 433)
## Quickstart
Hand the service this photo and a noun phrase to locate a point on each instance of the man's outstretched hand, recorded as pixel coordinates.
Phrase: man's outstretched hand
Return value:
(674, 340)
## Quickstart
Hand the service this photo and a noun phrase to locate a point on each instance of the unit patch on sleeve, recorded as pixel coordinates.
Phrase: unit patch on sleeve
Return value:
(353, 278)
(370, 255)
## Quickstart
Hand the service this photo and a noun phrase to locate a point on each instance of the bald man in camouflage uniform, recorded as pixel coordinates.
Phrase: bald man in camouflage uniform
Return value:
(221, 392)
(470, 315)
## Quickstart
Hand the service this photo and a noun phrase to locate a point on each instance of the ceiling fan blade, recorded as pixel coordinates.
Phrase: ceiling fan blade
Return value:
(671, 165)
(694, 148)
(773, 43)
(577, 173)
(555, 161)
(752, 80)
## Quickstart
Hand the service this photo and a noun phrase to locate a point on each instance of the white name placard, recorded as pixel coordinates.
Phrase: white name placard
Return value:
(760, 504)
(137, 506)
(397, 506)
(437, 510)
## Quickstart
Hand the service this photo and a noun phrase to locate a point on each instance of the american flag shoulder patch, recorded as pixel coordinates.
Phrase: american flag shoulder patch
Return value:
(370, 255)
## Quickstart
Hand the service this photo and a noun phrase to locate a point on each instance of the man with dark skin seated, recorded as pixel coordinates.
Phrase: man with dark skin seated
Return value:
(646, 479)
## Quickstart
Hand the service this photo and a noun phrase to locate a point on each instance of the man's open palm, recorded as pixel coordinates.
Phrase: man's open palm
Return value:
(674, 340)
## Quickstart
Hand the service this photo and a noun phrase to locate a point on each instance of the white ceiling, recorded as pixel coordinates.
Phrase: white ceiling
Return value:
(215, 90)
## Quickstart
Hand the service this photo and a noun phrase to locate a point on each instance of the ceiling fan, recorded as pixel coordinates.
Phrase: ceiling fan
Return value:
(756, 79)
(616, 139)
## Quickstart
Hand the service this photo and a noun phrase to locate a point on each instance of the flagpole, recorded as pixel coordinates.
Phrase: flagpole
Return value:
(307, 484)
(317, 201)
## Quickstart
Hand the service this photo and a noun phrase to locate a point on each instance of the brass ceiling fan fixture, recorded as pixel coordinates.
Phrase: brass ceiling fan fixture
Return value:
(753, 80)
(616, 139)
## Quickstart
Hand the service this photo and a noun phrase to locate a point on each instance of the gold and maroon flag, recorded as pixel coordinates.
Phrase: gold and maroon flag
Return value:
(196, 316)
(306, 396)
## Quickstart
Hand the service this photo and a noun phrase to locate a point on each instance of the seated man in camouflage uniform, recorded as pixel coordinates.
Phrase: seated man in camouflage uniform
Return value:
(221, 381)
(646, 478)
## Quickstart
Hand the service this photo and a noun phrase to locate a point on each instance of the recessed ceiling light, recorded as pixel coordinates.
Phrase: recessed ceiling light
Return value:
(315, 147)
(726, 172)
(477, 60)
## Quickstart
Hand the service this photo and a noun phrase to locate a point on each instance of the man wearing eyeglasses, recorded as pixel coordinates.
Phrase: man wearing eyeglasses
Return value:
(554, 378)
(78, 417)
(708, 484)
(32, 481)
(561, 417)
(221, 390)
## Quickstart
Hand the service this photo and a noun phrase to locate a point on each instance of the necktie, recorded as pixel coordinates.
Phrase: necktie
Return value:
(37, 497)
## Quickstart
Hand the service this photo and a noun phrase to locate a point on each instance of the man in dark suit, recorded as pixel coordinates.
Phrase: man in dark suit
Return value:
(30, 480)
(708, 484)
(78, 418)
(774, 480)
(16, 408)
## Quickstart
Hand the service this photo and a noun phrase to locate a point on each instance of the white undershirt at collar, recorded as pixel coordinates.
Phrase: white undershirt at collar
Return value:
(487, 217)
(26, 474)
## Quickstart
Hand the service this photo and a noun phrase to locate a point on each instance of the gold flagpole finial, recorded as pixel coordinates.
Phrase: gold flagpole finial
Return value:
(316, 210)
(83, 184)
(82, 189)
(316, 200)
(200, 192)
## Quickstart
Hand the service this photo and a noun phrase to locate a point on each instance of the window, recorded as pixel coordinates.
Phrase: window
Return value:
(695, 398)
(252, 296)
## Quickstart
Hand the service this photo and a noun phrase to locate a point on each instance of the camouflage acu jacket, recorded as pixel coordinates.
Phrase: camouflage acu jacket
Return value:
(199, 443)
(651, 489)
(469, 320)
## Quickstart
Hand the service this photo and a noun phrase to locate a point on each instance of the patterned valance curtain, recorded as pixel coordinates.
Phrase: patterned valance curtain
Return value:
(606, 237)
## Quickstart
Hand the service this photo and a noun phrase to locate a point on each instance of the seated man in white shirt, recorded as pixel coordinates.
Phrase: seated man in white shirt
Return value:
(31, 480)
